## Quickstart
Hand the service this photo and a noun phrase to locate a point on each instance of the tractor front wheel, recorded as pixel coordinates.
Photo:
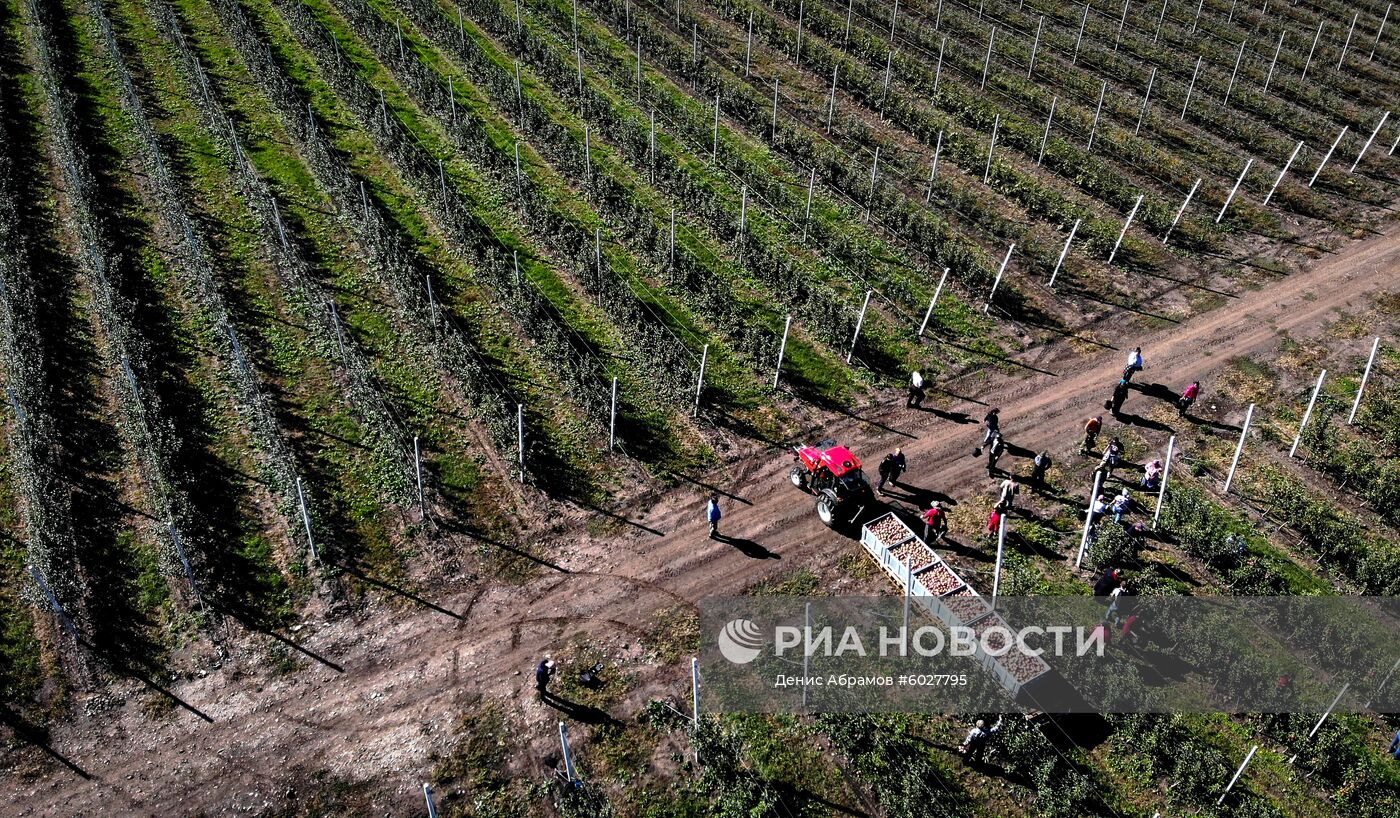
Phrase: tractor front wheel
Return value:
(798, 477)
(826, 511)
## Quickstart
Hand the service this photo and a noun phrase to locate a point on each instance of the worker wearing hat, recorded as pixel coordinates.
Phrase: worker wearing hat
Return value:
(543, 671)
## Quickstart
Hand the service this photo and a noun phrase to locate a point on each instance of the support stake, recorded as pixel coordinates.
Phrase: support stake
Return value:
(1236, 189)
(1124, 231)
(1064, 251)
(1286, 166)
(1162, 489)
(1323, 163)
(937, 291)
(1239, 448)
(1181, 210)
(1307, 414)
(1088, 518)
(1365, 376)
(1369, 140)
(860, 320)
(986, 308)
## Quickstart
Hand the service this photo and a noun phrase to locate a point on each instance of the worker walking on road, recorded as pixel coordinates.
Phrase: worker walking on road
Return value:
(891, 469)
(916, 391)
(992, 425)
(713, 514)
(544, 671)
(994, 453)
(1091, 433)
(1120, 394)
(1134, 364)
(935, 523)
(1188, 397)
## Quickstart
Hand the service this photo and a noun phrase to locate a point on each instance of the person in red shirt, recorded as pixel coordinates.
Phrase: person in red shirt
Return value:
(935, 522)
(993, 523)
(1188, 397)
(1091, 433)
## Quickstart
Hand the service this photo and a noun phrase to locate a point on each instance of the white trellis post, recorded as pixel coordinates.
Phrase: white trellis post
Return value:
(1180, 211)
(933, 168)
(1308, 63)
(1365, 376)
(1083, 21)
(1237, 774)
(1239, 448)
(1346, 45)
(694, 690)
(1369, 140)
(1035, 48)
(801, 18)
(1121, 22)
(1221, 215)
(1146, 100)
(748, 46)
(782, 349)
(1001, 548)
(1281, 173)
(1323, 717)
(1064, 252)
(1230, 89)
(908, 596)
(938, 70)
(1189, 88)
(1307, 414)
(937, 291)
(986, 308)
(53, 602)
(700, 382)
(894, 16)
(860, 320)
(1162, 489)
(991, 149)
(1197, 18)
(612, 417)
(1162, 15)
(418, 473)
(428, 796)
(1323, 163)
(1124, 232)
(306, 521)
(1045, 137)
(885, 86)
(714, 142)
(1274, 62)
(185, 563)
(831, 100)
(432, 301)
(743, 209)
(1386, 680)
(874, 174)
(1089, 518)
(1094, 130)
(807, 213)
(774, 126)
(570, 773)
(1380, 31)
(520, 437)
(987, 63)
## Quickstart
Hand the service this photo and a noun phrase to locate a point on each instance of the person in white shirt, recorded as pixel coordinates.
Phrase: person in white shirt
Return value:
(1134, 364)
(916, 391)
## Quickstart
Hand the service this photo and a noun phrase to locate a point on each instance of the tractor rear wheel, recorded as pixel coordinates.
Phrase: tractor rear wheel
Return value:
(826, 511)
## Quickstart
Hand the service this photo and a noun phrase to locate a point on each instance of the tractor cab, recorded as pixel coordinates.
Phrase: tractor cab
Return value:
(833, 473)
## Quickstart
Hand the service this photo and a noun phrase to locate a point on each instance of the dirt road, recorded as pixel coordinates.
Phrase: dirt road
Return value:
(379, 693)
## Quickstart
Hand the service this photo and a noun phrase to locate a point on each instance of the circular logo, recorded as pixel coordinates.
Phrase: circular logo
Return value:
(740, 641)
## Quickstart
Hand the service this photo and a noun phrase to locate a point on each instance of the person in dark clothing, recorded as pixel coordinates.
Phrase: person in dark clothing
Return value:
(1112, 456)
(992, 421)
(891, 469)
(994, 453)
(1120, 394)
(1106, 583)
(1395, 746)
(543, 672)
(1040, 466)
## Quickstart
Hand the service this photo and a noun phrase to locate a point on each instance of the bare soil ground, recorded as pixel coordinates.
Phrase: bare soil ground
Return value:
(375, 696)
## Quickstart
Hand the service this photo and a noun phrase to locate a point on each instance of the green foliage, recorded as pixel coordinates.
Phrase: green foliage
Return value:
(897, 766)
(1113, 545)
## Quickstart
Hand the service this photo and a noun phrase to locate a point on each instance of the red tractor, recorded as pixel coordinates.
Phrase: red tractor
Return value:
(833, 474)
